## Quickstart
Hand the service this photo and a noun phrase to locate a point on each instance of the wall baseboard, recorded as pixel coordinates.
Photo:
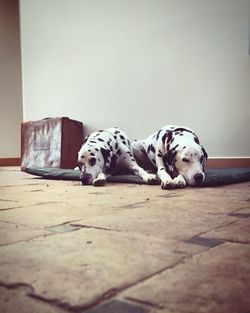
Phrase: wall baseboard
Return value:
(228, 162)
(211, 162)
(10, 161)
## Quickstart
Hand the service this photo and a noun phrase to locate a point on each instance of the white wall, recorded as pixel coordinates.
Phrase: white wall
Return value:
(10, 80)
(141, 64)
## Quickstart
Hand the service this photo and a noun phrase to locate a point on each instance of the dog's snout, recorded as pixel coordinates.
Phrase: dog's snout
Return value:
(198, 178)
(86, 179)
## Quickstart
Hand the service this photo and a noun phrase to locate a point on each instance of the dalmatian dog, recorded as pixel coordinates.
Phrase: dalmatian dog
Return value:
(175, 153)
(103, 152)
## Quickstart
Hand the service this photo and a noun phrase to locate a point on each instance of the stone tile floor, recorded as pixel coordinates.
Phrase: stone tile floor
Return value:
(122, 248)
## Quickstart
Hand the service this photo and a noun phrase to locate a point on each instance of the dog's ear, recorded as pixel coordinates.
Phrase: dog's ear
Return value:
(169, 162)
(204, 152)
(169, 157)
(105, 154)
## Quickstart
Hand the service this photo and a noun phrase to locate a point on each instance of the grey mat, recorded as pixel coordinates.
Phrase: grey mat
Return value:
(214, 177)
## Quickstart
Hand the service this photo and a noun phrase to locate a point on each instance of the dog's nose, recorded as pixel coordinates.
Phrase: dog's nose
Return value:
(198, 178)
(86, 178)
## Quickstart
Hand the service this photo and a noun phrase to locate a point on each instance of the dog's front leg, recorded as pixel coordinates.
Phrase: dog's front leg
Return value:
(166, 181)
(147, 177)
(131, 164)
(100, 180)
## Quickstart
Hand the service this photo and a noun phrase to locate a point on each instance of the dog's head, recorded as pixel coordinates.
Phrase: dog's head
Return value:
(91, 162)
(187, 157)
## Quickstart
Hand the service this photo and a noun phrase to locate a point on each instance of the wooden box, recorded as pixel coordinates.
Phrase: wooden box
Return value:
(51, 142)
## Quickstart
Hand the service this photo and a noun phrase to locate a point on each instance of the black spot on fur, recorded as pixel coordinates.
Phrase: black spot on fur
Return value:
(116, 145)
(164, 138)
(175, 147)
(100, 139)
(105, 154)
(92, 154)
(96, 149)
(122, 137)
(158, 134)
(117, 132)
(118, 152)
(196, 139)
(124, 142)
(151, 148)
(92, 161)
(169, 137)
(92, 141)
(182, 129)
(204, 152)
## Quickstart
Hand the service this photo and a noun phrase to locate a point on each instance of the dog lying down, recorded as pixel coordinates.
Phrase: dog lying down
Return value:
(103, 152)
(174, 152)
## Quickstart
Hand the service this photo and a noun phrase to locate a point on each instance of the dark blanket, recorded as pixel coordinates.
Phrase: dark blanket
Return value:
(214, 177)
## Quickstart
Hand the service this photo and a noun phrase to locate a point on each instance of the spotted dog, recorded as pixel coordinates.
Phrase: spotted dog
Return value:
(175, 153)
(102, 152)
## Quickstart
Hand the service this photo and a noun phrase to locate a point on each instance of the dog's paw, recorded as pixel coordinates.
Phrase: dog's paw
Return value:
(99, 182)
(168, 184)
(151, 179)
(180, 182)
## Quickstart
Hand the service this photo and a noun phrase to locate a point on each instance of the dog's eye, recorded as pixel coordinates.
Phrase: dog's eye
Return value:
(185, 160)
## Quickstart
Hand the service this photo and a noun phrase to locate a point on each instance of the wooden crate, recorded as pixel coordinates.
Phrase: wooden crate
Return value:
(52, 142)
